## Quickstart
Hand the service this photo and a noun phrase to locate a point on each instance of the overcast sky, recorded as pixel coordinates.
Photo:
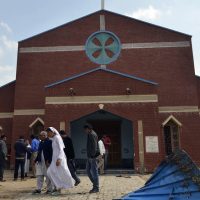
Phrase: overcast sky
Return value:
(20, 19)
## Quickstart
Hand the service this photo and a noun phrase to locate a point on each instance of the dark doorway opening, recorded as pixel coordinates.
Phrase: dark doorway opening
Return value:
(113, 130)
(120, 131)
(171, 136)
(37, 128)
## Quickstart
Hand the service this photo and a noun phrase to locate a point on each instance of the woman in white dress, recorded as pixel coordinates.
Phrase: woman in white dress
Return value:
(58, 171)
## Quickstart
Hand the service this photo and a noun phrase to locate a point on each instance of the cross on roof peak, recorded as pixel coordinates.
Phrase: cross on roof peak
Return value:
(102, 4)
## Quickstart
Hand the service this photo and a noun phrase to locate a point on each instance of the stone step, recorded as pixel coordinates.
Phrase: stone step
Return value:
(110, 171)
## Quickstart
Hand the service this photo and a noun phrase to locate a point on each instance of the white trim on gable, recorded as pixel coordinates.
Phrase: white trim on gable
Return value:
(6, 115)
(35, 121)
(29, 112)
(171, 117)
(148, 98)
(147, 45)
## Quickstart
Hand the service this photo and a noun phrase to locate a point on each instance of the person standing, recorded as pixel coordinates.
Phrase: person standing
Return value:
(42, 162)
(3, 156)
(107, 143)
(27, 158)
(20, 153)
(34, 151)
(69, 152)
(92, 154)
(101, 157)
(58, 171)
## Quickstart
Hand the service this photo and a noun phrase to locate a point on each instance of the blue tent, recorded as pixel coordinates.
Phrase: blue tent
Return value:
(176, 178)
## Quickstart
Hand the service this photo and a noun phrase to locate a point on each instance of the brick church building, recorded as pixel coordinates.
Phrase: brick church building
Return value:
(132, 80)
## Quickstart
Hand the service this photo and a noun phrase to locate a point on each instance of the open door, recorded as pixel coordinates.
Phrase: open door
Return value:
(113, 130)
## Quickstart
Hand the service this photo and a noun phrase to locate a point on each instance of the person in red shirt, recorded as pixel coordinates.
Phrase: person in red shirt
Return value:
(107, 143)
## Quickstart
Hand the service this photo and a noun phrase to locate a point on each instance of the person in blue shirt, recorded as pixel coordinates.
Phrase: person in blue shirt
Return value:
(34, 151)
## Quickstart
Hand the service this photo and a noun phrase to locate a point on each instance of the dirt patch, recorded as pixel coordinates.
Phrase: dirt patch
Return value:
(15, 189)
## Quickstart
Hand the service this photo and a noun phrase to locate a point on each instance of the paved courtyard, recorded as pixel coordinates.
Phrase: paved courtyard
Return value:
(111, 186)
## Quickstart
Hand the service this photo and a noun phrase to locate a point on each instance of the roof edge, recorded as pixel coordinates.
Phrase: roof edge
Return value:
(103, 69)
(144, 22)
(7, 84)
(197, 76)
(103, 10)
(59, 26)
(72, 77)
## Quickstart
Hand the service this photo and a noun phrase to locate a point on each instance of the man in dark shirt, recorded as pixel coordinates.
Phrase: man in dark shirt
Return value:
(20, 153)
(69, 152)
(92, 154)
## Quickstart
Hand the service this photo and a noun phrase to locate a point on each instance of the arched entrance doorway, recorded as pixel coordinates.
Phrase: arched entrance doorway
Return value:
(120, 131)
(171, 128)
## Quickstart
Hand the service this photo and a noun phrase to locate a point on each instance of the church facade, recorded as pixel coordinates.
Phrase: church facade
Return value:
(132, 80)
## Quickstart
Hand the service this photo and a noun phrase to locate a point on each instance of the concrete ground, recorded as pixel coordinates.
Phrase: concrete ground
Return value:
(111, 187)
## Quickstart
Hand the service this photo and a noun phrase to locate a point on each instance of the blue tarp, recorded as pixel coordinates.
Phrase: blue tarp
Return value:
(176, 178)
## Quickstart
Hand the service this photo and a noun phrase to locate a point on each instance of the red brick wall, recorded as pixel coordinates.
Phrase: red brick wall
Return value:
(172, 68)
(21, 128)
(76, 32)
(101, 83)
(189, 132)
(37, 70)
(73, 33)
(198, 88)
(7, 105)
(147, 112)
(6, 124)
(7, 93)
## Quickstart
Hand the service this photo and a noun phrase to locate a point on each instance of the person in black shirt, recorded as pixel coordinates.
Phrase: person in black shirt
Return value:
(20, 153)
(69, 152)
(92, 154)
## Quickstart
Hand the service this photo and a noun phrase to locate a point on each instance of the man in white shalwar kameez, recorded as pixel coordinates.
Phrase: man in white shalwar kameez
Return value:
(58, 171)
(42, 162)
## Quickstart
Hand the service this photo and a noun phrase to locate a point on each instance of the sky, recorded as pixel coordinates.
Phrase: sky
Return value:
(21, 19)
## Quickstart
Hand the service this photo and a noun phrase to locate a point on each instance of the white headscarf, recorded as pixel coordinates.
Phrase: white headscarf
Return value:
(58, 135)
